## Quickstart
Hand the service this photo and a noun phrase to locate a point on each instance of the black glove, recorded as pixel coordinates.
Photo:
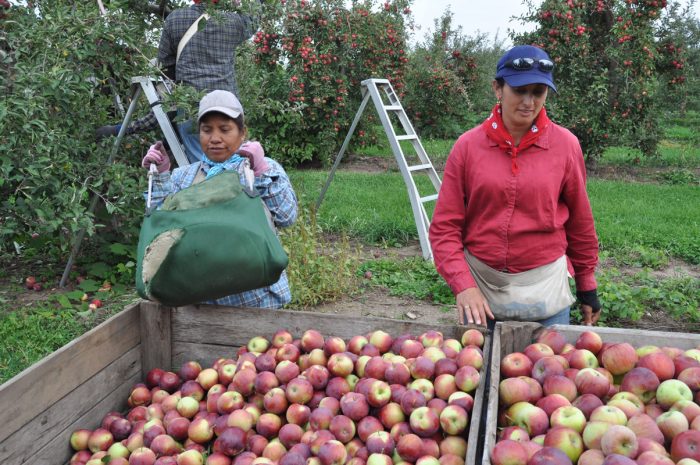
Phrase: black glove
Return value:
(106, 131)
(589, 298)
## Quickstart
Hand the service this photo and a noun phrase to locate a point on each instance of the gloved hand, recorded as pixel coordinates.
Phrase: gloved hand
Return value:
(158, 155)
(106, 131)
(254, 152)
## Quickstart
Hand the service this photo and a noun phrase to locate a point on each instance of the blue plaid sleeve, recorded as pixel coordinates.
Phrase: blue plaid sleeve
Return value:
(277, 192)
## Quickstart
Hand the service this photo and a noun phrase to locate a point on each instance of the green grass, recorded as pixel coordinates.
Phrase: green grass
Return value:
(631, 219)
(372, 207)
(657, 217)
(437, 149)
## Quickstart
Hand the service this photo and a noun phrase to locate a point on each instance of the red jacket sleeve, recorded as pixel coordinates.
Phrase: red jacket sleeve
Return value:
(448, 223)
(582, 248)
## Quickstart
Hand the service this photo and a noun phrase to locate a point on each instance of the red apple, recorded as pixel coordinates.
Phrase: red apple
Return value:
(516, 364)
(508, 452)
(619, 358)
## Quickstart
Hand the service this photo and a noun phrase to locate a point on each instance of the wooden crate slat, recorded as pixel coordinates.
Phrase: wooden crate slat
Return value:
(46, 436)
(48, 454)
(476, 434)
(156, 343)
(30, 392)
(235, 327)
(514, 337)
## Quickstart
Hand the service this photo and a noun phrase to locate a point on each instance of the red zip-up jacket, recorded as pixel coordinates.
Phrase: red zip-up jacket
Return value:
(514, 222)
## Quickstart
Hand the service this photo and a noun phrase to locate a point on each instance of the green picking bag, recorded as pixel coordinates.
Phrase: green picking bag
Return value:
(207, 241)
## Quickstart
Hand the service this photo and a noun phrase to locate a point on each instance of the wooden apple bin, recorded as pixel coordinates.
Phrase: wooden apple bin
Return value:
(78, 384)
(512, 337)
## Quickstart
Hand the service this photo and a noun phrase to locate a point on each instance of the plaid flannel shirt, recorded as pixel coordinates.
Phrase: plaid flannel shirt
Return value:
(208, 60)
(275, 190)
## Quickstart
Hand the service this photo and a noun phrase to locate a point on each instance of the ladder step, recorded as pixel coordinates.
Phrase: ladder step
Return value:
(425, 166)
(393, 107)
(407, 137)
(428, 198)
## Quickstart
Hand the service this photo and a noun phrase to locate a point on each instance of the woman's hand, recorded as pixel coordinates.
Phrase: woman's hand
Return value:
(472, 303)
(590, 318)
(157, 155)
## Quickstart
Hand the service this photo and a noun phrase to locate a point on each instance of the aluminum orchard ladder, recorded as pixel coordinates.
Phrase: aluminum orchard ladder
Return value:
(389, 107)
(139, 85)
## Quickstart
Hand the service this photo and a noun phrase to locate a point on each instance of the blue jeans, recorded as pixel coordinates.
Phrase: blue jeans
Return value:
(561, 318)
(190, 141)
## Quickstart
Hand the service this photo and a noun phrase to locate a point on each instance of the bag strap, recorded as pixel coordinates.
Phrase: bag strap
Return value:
(188, 35)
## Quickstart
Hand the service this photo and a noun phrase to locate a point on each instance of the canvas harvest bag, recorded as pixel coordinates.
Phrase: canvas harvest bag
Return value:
(207, 241)
(528, 296)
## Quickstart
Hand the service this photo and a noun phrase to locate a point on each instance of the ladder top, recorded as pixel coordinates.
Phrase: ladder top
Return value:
(376, 81)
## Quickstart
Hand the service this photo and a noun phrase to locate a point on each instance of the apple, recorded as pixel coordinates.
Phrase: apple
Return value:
(354, 405)
(287, 370)
(379, 394)
(568, 416)
(289, 352)
(410, 447)
(188, 457)
(672, 423)
(589, 340)
(229, 401)
(281, 337)
(535, 388)
(582, 358)
(380, 442)
(653, 458)
(467, 378)
(660, 363)
(691, 377)
(610, 414)
(645, 427)
(565, 439)
(559, 384)
(472, 337)
(256, 444)
(424, 422)
(508, 452)
(299, 391)
(454, 419)
(537, 350)
(686, 445)
(369, 425)
(529, 417)
(619, 439)
(552, 402)
(381, 340)
(591, 381)
(356, 343)
(100, 440)
(268, 425)
(331, 403)
(642, 382)
(340, 364)
(516, 364)
(619, 358)
(688, 408)
(546, 366)
(591, 457)
(142, 456)
(549, 456)
(426, 387)
(265, 381)
(593, 433)
(671, 391)
(332, 453)
(513, 390)
(391, 414)
(470, 356)
(311, 339)
(628, 407)
(379, 459)
(587, 403)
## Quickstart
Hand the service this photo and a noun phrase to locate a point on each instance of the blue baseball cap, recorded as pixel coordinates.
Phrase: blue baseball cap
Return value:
(523, 65)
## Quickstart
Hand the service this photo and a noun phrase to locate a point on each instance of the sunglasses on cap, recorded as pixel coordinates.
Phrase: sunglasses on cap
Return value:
(523, 64)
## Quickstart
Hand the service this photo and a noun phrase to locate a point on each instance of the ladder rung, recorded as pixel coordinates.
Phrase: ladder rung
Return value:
(407, 137)
(428, 198)
(426, 166)
(393, 107)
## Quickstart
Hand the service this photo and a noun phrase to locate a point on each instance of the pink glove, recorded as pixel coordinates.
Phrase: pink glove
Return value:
(158, 155)
(254, 152)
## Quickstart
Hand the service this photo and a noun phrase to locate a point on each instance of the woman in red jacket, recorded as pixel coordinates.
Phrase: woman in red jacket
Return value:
(513, 219)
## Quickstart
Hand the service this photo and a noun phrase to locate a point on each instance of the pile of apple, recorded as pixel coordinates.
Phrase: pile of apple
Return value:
(595, 402)
(373, 400)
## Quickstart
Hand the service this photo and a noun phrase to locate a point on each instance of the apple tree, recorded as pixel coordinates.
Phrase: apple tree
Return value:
(606, 69)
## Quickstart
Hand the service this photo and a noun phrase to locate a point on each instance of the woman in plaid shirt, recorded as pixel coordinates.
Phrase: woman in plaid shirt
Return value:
(221, 135)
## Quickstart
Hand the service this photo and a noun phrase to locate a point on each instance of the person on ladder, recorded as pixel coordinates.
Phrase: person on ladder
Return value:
(203, 58)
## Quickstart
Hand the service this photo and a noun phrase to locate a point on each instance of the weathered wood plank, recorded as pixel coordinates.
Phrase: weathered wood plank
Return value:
(48, 454)
(475, 438)
(156, 337)
(45, 439)
(30, 392)
(235, 326)
(205, 354)
(514, 337)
